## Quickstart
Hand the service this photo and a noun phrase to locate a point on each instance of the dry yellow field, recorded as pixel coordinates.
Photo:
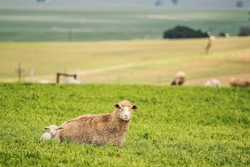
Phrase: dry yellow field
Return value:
(128, 62)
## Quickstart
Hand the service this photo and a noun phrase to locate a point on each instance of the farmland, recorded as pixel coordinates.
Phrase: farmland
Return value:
(104, 23)
(119, 45)
(174, 126)
(117, 58)
(152, 62)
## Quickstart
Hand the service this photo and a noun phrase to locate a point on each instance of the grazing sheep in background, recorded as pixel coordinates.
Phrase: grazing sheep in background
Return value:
(213, 82)
(52, 132)
(208, 83)
(72, 81)
(44, 81)
(99, 129)
(240, 82)
(179, 78)
(216, 82)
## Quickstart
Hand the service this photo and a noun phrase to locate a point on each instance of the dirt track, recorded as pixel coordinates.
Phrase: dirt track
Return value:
(52, 77)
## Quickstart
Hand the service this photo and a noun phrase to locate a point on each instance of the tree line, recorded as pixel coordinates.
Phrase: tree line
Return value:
(186, 32)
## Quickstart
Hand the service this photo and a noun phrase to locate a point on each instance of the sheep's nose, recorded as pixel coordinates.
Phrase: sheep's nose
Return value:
(126, 115)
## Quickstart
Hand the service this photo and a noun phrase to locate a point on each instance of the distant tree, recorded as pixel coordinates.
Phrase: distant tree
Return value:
(174, 2)
(159, 3)
(249, 15)
(244, 31)
(239, 4)
(222, 34)
(184, 32)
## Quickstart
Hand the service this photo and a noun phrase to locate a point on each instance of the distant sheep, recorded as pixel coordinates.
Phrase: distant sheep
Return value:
(44, 81)
(99, 129)
(179, 78)
(72, 81)
(240, 82)
(213, 82)
(52, 132)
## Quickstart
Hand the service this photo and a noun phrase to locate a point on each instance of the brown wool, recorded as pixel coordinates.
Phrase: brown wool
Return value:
(99, 129)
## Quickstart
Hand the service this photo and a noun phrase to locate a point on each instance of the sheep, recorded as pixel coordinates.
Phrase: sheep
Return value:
(99, 129)
(52, 132)
(46, 136)
(240, 82)
(179, 78)
(72, 81)
(208, 83)
(44, 81)
(213, 82)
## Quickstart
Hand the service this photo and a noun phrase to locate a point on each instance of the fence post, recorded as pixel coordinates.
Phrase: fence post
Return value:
(31, 75)
(57, 77)
(19, 71)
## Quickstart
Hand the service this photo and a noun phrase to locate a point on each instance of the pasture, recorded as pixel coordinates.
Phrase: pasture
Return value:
(174, 126)
(150, 62)
(45, 22)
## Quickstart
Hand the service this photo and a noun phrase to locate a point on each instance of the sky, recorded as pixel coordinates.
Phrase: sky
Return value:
(161, 3)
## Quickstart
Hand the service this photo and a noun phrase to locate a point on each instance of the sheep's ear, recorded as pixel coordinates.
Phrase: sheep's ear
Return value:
(135, 107)
(60, 127)
(46, 128)
(116, 105)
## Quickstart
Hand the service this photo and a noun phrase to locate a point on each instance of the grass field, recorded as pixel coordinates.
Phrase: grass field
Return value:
(174, 126)
(102, 23)
(151, 62)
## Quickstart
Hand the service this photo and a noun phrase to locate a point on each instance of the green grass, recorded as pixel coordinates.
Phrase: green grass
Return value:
(174, 126)
(104, 23)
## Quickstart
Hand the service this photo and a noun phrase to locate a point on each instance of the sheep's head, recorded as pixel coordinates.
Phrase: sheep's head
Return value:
(124, 109)
(53, 129)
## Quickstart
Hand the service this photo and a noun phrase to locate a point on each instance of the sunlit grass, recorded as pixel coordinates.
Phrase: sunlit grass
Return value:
(174, 126)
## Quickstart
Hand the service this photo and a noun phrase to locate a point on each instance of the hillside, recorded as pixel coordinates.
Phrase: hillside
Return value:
(50, 23)
(151, 62)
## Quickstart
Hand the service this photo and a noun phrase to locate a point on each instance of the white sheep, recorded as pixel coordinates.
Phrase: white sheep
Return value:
(44, 81)
(99, 129)
(72, 81)
(46, 136)
(213, 82)
(179, 78)
(52, 132)
(208, 83)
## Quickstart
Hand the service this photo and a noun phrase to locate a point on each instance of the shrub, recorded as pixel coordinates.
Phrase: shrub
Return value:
(244, 31)
(184, 32)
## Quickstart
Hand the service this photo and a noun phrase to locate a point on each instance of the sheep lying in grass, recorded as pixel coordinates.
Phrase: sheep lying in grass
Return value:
(46, 136)
(240, 82)
(99, 129)
(179, 78)
(52, 132)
